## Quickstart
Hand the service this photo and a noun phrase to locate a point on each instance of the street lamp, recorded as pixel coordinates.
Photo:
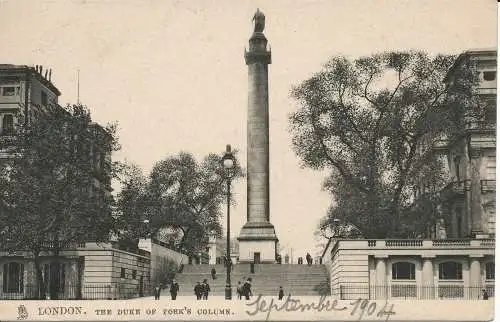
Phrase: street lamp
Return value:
(228, 162)
(146, 228)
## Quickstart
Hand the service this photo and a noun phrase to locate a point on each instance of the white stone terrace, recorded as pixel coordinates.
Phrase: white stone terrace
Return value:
(418, 247)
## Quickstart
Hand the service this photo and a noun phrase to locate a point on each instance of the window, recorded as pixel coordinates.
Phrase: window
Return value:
(489, 75)
(134, 274)
(44, 98)
(491, 168)
(403, 271)
(13, 277)
(8, 124)
(450, 271)
(490, 270)
(122, 273)
(457, 168)
(490, 212)
(8, 91)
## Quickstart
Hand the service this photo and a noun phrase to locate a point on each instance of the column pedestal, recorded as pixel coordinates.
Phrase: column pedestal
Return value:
(475, 285)
(381, 288)
(427, 289)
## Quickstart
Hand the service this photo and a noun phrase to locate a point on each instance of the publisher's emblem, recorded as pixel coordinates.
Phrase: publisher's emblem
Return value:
(22, 312)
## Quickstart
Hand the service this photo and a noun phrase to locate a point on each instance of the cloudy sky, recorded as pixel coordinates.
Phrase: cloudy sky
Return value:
(172, 73)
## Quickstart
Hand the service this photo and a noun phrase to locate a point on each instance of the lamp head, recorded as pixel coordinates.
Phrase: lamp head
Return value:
(228, 161)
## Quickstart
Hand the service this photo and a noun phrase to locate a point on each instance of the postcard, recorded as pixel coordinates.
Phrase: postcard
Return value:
(250, 160)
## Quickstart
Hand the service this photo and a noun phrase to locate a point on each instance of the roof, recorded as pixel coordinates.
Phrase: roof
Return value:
(30, 70)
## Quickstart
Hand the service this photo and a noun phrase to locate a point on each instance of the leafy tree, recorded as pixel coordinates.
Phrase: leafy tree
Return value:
(131, 206)
(49, 196)
(186, 196)
(371, 121)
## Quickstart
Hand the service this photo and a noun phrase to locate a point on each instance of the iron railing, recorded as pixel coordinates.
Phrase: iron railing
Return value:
(444, 291)
(87, 292)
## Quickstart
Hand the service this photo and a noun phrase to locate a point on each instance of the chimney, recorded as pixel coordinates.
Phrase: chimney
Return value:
(46, 71)
(36, 68)
(41, 68)
(50, 74)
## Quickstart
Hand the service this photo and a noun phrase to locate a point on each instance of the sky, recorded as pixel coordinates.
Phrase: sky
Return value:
(173, 75)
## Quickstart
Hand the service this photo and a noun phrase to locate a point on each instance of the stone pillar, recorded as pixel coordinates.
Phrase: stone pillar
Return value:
(475, 284)
(212, 249)
(257, 237)
(30, 283)
(473, 192)
(73, 275)
(381, 288)
(427, 289)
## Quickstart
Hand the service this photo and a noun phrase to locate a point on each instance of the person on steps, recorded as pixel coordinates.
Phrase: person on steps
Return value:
(205, 289)
(197, 290)
(174, 289)
(157, 291)
(281, 293)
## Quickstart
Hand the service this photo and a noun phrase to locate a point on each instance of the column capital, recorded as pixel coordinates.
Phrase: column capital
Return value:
(477, 256)
(381, 256)
(426, 256)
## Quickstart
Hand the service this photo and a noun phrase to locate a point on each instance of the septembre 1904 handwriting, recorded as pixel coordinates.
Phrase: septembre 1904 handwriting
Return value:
(358, 309)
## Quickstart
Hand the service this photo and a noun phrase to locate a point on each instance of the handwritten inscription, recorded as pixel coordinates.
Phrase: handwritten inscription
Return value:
(359, 309)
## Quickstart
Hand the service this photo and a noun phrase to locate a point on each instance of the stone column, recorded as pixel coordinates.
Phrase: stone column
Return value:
(473, 192)
(381, 288)
(474, 278)
(257, 237)
(427, 289)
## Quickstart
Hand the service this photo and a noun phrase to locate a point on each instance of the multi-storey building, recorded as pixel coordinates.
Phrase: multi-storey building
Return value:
(470, 156)
(458, 260)
(25, 93)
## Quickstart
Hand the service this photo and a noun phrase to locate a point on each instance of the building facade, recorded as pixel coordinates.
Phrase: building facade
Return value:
(459, 261)
(86, 270)
(470, 156)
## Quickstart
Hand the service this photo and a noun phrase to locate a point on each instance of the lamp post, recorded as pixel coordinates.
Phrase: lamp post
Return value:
(336, 227)
(228, 163)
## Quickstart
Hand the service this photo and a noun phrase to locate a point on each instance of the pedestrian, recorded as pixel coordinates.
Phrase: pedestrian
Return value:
(309, 259)
(485, 294)
(247, 288)
(281, 293)
(213, 272)
(197, 290)
(205, 289)
(239, 290)
(157, 291)
(174, 289)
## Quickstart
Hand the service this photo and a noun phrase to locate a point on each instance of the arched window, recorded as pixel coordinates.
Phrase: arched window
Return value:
(7, 124)
(490, 270)
(13, 277)
(450, 271)
(403, 271)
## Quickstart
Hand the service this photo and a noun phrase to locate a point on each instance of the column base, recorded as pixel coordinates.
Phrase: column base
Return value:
(257, 243)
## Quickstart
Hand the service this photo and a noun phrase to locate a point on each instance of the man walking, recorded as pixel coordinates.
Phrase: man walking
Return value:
(239, 290)
(205, 289)
(157, 291)
(247, 288)
(309, 259)
(197, 290)
(174, 289)
(281, 293)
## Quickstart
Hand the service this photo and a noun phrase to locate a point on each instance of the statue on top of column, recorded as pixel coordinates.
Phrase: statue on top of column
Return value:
(259, 21)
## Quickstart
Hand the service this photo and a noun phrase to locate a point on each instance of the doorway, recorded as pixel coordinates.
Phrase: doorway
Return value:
(256, 258)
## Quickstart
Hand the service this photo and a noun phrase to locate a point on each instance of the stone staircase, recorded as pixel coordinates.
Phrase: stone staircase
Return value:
(298, 280)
